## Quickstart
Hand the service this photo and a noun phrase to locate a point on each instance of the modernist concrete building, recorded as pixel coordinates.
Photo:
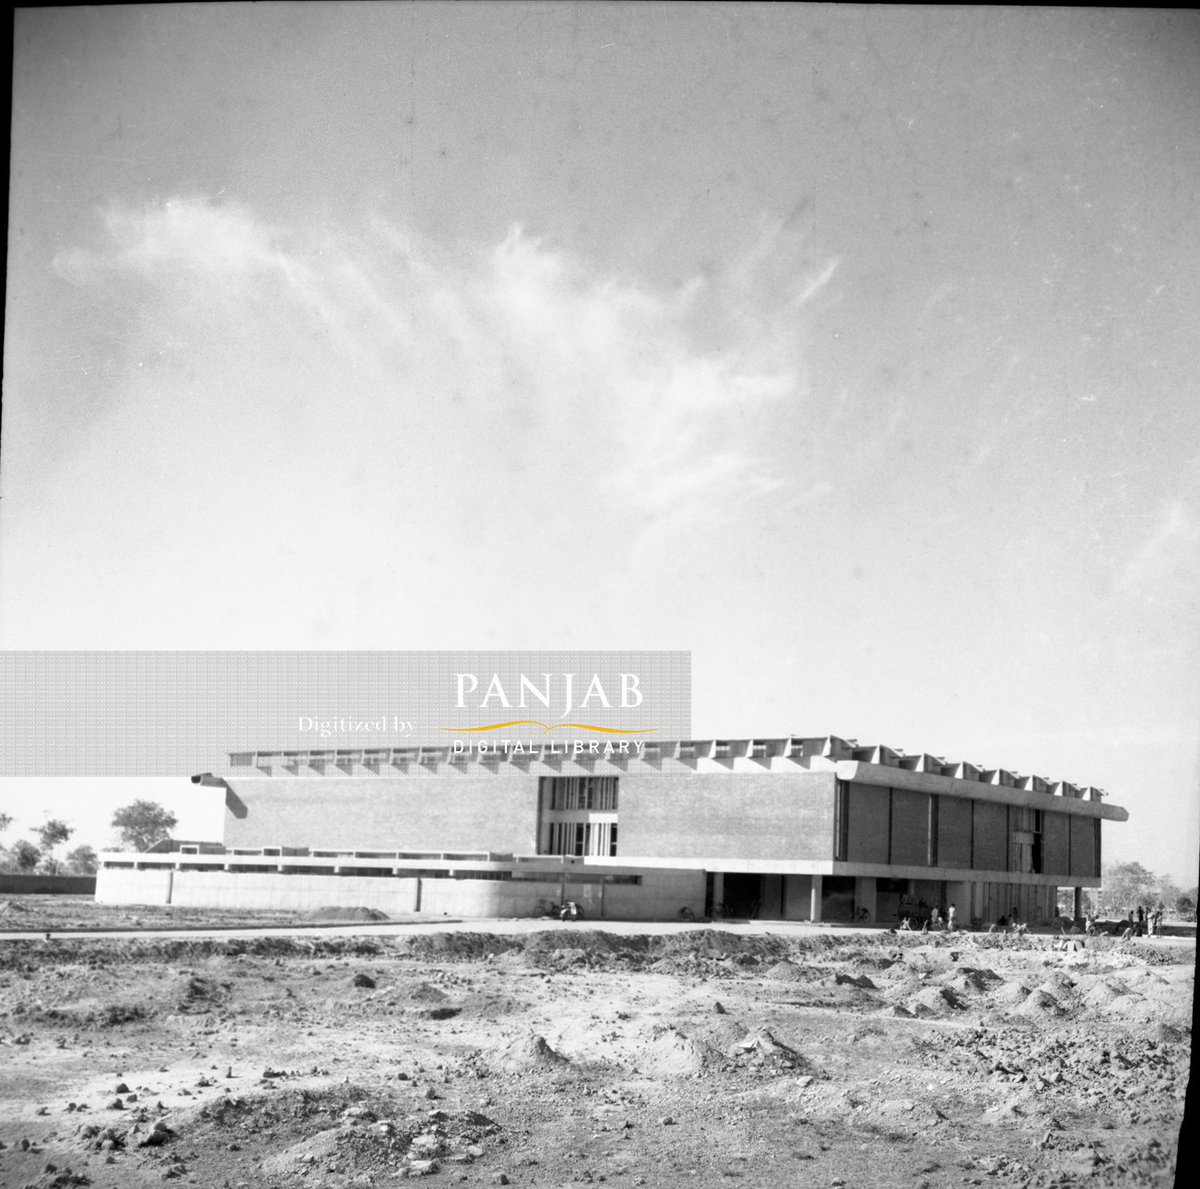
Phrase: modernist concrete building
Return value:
(793, 828)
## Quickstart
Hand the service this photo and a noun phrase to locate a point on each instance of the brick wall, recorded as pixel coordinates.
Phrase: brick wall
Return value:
(910, 828)
(867, 838)
(1084, 859)
(1056, 843)
(991, 836)
(455, 811)
(772, 816)
(954, 832)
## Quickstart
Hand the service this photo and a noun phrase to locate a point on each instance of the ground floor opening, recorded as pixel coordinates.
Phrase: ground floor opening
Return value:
(843, 899)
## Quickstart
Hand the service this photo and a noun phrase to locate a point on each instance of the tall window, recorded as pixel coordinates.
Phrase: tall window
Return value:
(584, 792)
(1026, 839)
(579, 816)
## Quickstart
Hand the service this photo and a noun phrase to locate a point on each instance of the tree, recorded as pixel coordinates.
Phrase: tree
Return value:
(5, 821)
(1166, 891)
(52, 832)
(82, 861)
(143, 823)
(24, 855)
(1125, 886)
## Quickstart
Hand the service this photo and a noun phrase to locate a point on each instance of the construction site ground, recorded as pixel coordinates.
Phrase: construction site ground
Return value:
(562, 1054)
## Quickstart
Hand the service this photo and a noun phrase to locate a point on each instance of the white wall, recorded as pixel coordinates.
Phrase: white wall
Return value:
(660, 896)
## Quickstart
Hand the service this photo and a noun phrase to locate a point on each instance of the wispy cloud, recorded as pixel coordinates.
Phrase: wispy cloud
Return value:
(1171, 548)
(561, 361)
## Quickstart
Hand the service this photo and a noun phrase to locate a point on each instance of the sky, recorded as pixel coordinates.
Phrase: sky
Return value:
(851, 348)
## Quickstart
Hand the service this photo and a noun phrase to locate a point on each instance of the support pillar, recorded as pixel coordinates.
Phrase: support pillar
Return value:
(864, 896)
(718, 889)
(814, 911)
(1078, 909)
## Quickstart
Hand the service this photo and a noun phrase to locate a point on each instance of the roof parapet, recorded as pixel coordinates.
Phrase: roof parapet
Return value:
(687, 751)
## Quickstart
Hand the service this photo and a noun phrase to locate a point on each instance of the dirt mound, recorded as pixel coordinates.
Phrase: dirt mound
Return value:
(427, 993)
(321, 1147)
(530, 1051)
(588, 948)
(1102, 992)
(710, 943)
(197, 993)
(1172, 1034)
(761, 1049)
(339, 1127)
(1039, 1002)
(721, 1034)
(851, 980)
(973, 978)
(934, 1001)
(1059, 984)
(57, 1178)
(787, 972)
(458, 946)
(346, 914)
(1011, 994)
(673, 1053)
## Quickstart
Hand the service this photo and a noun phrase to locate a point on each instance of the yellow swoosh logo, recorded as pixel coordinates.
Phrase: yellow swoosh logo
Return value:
(558, 726)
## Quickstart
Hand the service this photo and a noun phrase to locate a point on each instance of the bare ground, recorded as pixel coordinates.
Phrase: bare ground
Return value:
(570, 1056)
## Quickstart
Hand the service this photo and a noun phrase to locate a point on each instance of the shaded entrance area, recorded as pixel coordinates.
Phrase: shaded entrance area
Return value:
(743, 895)
(837, 898)
(765, 897)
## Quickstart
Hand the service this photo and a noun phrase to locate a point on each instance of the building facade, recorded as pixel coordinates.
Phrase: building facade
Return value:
(794, 828)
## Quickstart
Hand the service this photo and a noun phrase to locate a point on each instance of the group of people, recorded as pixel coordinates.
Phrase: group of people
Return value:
(1009, 924)
(1139, 922)
(935, 921)
(1146, 922)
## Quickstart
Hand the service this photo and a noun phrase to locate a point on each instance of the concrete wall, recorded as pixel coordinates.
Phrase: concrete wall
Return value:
(990, 837)
(452, 811)
(910, 827)
(1085, 846)
(47, 885)
(123, 885)
(768, 816)
(659, 896)
(218, 889)
(868, 814)
(1056, 843)
(954, 833)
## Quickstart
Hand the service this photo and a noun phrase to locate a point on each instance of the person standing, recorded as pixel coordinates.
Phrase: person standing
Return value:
(951, 917)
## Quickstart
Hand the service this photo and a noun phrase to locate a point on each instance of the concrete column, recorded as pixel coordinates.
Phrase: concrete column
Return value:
(1077, 911)
(864, 895)
(718, 888)
(814, 911)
